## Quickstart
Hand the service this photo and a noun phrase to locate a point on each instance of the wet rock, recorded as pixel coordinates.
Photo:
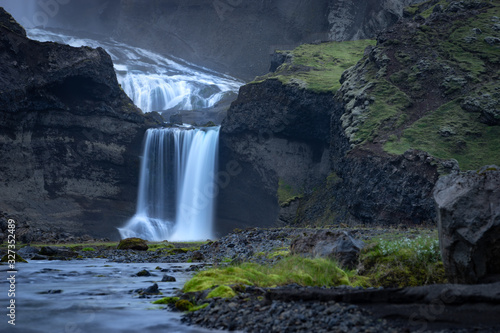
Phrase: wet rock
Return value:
(7, 258)
(152, 290)
(28, 251)
(133, 243)
(469, 224)
(278, 58)
(176, 119)
(60, 252)
(144, 272)
(38, 257)
(51, 292)
(168, 278)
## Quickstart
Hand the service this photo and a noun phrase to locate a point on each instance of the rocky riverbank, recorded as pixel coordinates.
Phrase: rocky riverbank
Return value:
(439, 308)
(294, 308)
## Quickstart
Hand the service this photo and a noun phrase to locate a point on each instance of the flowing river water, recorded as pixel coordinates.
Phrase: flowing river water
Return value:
(91, 295)
(94, 295)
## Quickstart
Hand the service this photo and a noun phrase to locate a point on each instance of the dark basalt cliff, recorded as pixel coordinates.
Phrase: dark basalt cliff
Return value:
(69, 138)
(418, 104)
(279, 137)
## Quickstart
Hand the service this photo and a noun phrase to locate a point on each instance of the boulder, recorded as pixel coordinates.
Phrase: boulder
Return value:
(340, 246)
(18, 258)
(468, 206)
(168, 278)
(133, 243)
(144, 272)
(28, 251)
(60, 252)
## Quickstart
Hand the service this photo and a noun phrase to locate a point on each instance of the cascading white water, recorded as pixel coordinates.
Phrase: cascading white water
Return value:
(177, 186)
(155, 82)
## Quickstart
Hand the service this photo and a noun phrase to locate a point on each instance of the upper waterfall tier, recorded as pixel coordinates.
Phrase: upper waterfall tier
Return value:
(152, 81)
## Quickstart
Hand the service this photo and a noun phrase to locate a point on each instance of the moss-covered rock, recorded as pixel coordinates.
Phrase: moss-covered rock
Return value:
(183, 305)
(222, 292)
(317, 67)
(166, 300)
(133, 243)
(18, 258)
(144, 272)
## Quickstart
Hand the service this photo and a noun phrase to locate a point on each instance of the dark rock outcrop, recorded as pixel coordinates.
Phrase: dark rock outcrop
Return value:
(278, 136)
(59, 252)
(402, 117)
(469, 224)
(340, 246)
(369, 187)
(69, 138)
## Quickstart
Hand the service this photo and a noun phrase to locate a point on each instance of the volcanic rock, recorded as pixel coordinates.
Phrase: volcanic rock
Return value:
(469, 224)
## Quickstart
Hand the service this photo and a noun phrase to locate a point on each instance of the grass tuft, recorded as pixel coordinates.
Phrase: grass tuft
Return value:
(403, 262)
(292, 269)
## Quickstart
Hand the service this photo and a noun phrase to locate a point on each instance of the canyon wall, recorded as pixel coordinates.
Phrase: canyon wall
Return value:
(70, 138)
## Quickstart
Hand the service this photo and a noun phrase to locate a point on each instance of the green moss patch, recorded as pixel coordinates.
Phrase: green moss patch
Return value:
(166, 300)
(222, 292)
(133, 243)
(451, 132)
(287, 193)
(183, 305)
(17, 258)
(293, 269)
(387, 109)
(88, 249)
(318, 67)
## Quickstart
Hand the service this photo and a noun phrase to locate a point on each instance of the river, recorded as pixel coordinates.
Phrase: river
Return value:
(91, 295)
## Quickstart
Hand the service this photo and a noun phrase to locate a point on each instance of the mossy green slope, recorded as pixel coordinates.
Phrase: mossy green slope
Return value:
(318, 67)
(431, 84)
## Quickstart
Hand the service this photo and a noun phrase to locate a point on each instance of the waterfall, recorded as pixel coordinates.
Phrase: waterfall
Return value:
(176, 186)
(155, 82)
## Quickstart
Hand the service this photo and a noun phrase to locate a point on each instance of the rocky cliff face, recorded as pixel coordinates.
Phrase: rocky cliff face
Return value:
(210, 33)
(352, 20)
(421, 99)
(279, 136)
(69, 138)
